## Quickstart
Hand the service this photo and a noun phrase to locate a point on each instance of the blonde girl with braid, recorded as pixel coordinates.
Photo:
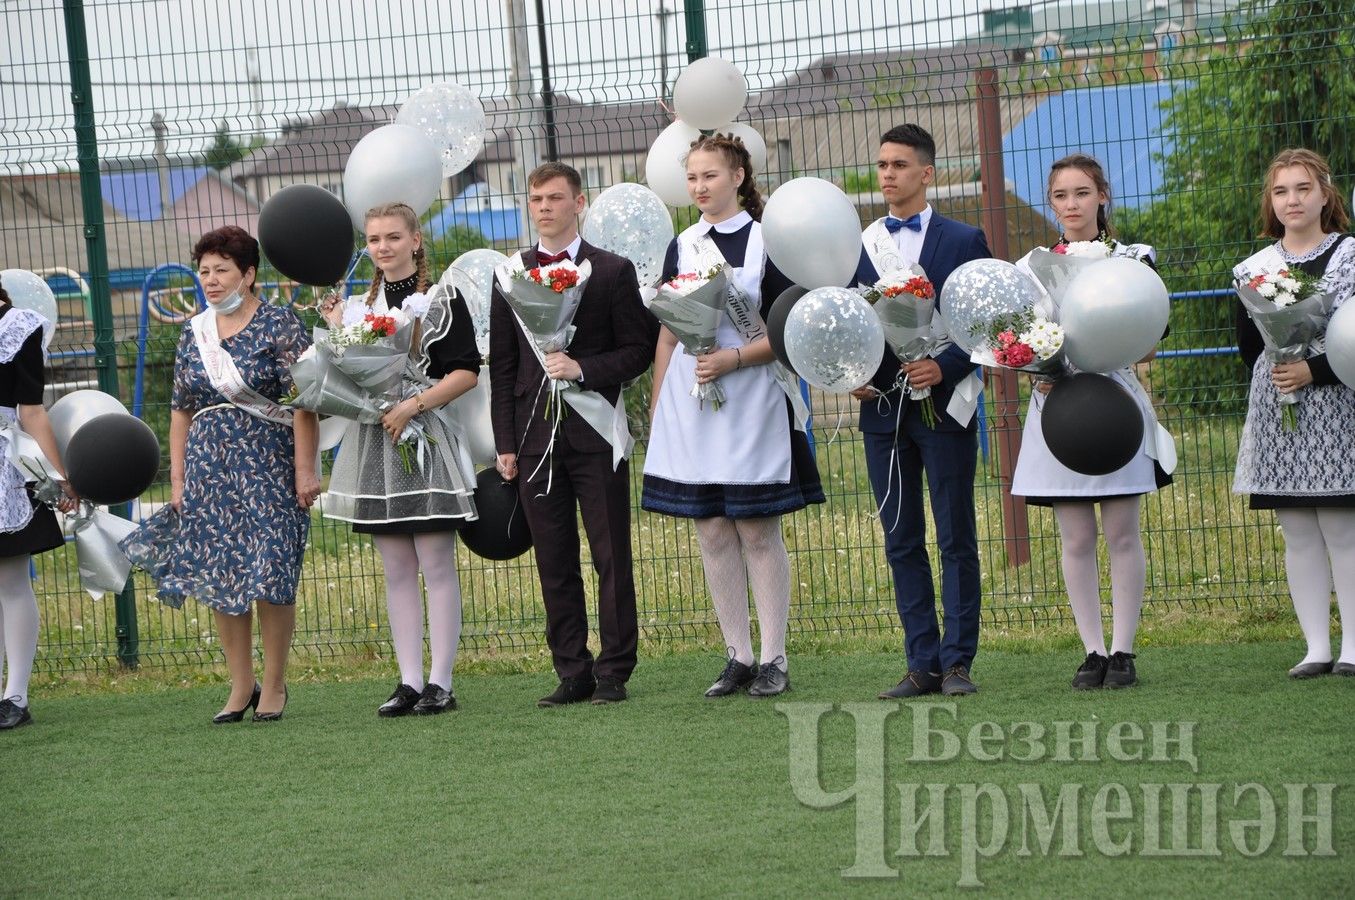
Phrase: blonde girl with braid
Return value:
(738, 469)
(412, 511)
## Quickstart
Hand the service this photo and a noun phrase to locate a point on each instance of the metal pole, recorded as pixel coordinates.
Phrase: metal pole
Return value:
(96, 249)
(547, 94)
(524, 109)
(694, 11)
(663, 15)
(1006, 392)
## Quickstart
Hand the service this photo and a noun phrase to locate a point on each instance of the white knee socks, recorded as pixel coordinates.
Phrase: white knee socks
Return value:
(1082, 577)
(1319, 551)
(18, 627)
(735, 553)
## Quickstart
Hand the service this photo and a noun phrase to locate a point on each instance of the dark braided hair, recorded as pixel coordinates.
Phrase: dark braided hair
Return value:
(4, 296)
(736, 155)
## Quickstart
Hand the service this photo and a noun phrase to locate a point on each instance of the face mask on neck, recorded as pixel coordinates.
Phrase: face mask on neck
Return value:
(229, 304)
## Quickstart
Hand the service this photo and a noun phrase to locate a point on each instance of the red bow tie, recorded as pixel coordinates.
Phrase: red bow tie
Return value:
(548, 259)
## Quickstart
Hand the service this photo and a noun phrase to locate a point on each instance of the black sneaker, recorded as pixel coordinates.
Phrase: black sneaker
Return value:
(400, 702)
(434, 700)
(12, 715)
(957, 681)
(736, 677)
(609, 690)
(1120, 673)
(914, 684)
(771, 679)
(1092, 673)
(569, 690)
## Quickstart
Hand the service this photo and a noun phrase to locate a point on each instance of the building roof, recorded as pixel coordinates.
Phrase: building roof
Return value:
(135, 192)
(1096, 25)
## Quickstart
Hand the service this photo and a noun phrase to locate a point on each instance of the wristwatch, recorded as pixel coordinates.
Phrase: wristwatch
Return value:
(418, 401)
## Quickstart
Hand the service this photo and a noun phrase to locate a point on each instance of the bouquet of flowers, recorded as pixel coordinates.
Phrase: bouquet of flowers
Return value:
(1027, 342)
(1083, 249)
(906, 303)
(544, 299)
(1290, 313)
(356, 370)
(691, 305)
(1055, 268)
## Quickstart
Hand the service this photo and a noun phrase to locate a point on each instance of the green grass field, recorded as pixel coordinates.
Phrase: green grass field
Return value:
(128, 790)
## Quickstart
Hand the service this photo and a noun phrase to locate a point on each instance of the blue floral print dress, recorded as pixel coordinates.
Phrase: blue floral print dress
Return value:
(241, 533)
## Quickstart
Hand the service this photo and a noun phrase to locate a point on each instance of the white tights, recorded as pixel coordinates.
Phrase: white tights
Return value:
(403, 556)
(1319, 551)
(1082, 575)
(737, 553)
(18, 626)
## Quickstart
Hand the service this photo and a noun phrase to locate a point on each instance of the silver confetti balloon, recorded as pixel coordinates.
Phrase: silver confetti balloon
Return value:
(472, 275)
(980, 292)
(834, 339)
(631, 221)
(451, 115)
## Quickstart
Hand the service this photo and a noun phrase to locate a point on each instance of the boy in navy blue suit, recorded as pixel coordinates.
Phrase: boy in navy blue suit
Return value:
(947, 454)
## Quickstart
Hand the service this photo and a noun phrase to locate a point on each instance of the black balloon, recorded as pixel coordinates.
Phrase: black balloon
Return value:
(1091, 424)
(776, 322)
(307, 235)
(112, 458)
(501, 531)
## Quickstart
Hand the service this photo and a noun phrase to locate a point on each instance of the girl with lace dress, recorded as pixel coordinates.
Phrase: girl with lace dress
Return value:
(736, 469)
(26, 526)
(1307, 474)
(412, 509)
(1080, 196)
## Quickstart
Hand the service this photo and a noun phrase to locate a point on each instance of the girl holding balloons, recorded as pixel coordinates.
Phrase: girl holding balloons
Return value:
(26, 526)
(1307, 473)
(1079, 194)
(412, 508)
(736, 469)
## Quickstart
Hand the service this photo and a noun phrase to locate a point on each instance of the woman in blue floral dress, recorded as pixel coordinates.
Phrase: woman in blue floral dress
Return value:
(242, 474)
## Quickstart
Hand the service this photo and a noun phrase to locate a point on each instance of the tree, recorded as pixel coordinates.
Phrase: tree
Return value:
(1282, 79)
(225, 149)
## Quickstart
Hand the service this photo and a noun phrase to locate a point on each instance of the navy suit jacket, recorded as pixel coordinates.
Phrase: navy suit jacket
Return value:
(947, 245)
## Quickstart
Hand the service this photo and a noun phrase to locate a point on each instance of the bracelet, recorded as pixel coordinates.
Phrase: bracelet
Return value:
(739, 354)
(418, 401)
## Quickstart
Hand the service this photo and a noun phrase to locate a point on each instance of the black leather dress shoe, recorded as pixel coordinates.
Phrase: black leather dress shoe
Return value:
(1344, 668)
(957, 681)
(434, 700)
(1092, 673)
(609, 690)
(736, 677)
(272, 716)
(1311, 670)
(12, 715)
(771, 680)
(569, 690)
(225, 718)
(399, 703)
(914, 684)
(1120, 671)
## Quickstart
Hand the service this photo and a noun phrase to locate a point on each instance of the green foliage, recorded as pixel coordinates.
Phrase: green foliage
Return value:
(1283, 79)
(860, 181)
(225, 149)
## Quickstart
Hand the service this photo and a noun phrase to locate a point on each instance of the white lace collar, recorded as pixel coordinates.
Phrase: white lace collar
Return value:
(15, 327)
(728, 226)
(1311, 254)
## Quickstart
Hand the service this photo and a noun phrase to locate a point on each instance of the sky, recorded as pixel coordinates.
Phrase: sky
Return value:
(192, 60)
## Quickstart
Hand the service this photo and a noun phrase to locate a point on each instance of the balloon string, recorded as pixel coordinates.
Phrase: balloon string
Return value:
(893, 457)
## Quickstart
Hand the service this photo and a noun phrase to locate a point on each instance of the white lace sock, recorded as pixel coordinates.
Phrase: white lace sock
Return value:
(727, 581)
(1081, 576)
(437, 561)
(764, 552)
(18, 626)
(1128, 569)
(1338, 531)
(404, 604)
(1308, 569)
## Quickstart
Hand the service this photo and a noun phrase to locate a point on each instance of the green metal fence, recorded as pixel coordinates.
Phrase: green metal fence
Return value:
(132, 126)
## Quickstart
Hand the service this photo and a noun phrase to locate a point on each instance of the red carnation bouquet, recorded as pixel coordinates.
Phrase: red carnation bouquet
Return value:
(905, 302)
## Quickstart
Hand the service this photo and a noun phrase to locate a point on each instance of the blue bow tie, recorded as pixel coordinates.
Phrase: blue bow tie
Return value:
(912, 223)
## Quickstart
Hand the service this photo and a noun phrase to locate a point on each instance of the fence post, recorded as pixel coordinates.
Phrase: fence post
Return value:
(1007, 414)
(694, 12)
(96, 249)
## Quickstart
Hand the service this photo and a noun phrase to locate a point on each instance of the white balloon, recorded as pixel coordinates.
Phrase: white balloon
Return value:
(812, 232)
(834, 339)
(981, 292)
(72, 410)
(471, 410)
(1113, 314)
(452, 117)
(1341, 343)
(709, 92)
(631, 221)
(28, 290)
(757, 147)
(472, 276)
(666, 164)
(393, 164)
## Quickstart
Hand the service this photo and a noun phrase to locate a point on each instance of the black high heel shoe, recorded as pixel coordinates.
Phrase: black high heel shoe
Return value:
(225, 718)
(273, 716)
